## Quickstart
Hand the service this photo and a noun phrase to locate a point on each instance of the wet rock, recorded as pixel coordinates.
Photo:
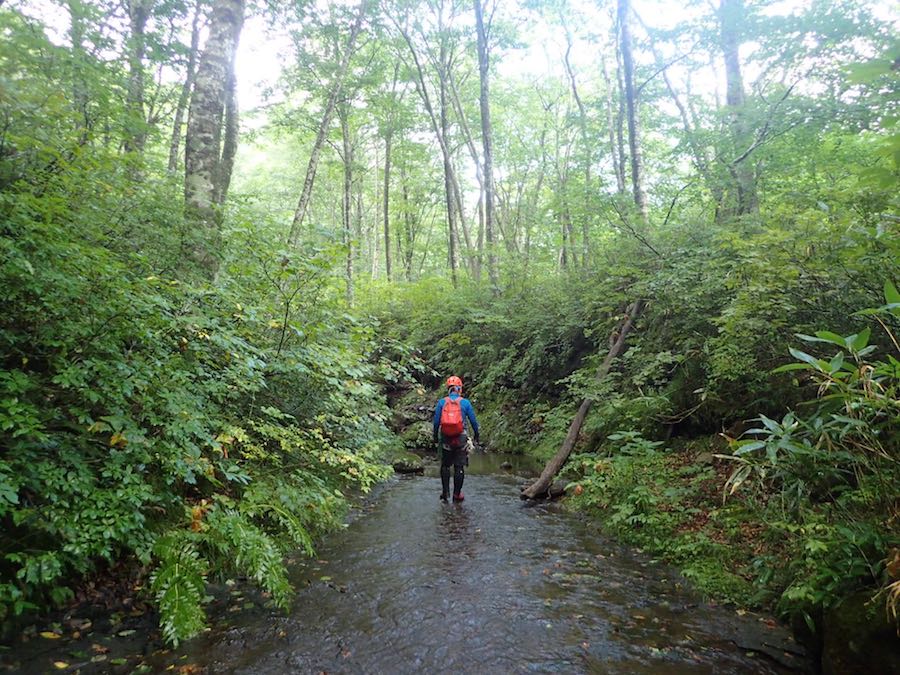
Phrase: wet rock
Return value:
(506, 465)
(557, 489)
(858, 638)
(418, 436)
(408, 463)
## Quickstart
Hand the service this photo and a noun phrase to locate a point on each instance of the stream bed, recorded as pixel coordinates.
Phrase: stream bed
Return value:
(491, 585)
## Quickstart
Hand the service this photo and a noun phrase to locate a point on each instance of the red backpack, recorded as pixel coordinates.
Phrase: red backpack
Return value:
(451, 418)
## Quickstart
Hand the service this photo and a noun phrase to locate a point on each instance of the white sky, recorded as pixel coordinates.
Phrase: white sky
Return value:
(263, 53)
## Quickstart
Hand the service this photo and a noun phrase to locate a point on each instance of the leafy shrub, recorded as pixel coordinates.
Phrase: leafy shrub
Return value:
(835, 470)
(187, 427)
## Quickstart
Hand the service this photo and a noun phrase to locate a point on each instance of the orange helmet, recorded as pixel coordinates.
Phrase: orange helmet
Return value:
(454, 381)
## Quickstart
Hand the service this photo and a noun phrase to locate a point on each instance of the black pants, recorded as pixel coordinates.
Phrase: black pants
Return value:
(453, 453)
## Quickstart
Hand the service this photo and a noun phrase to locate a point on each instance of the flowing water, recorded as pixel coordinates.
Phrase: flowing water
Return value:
(492, 585)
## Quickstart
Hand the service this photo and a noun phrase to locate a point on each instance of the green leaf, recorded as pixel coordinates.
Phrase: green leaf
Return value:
(749, 446)
(791, 366)
(770, 424)
(836, 362)
(833, 338)
(806, 358)
(860, 340)
(891, 294)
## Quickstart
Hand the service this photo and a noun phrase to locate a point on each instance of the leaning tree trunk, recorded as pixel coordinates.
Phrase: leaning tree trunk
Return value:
(439, 126)
(204, 128)
(541, 485)
(634, 143)
(333, 96)
(487, 142)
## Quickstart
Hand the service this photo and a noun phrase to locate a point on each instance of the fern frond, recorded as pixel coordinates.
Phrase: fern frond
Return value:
(178, 585)
(250, 551)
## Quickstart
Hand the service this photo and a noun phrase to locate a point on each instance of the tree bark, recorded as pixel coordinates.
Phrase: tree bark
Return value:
(634, 144)
(202, 141)
(230, 143)
(175, 143)
(438, 126)
(136, 122)
(586, 148)
(333, 96)
(474, 259)
(347, 199)
(487, 142)
(540, 486)
(745, 199)
(449, 181)
(408, 229)
(79, 60)
(618, 166)
(387, 219)
(620, 122)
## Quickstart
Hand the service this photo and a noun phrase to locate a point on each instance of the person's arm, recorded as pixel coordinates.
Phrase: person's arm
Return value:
(436, 423)
(470, 414)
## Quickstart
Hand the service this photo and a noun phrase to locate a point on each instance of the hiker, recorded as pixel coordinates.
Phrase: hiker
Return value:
(449, 420)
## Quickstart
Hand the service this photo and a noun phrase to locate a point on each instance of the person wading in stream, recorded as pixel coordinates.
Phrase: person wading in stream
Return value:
(449, 422)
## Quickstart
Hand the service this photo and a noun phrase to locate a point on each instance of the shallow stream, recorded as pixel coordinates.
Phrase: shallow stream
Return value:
(492, 585)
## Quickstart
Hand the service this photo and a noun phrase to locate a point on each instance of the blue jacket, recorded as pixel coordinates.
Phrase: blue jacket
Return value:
(468, 413)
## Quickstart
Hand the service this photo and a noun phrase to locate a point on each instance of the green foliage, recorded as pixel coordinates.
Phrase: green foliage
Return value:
(835, 469)
(178, 585)
(131, 394)
(646, 496)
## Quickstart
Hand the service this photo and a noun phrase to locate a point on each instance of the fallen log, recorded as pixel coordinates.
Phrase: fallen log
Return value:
(617, 345)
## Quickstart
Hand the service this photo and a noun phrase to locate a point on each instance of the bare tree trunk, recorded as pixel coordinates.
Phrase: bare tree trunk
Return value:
(567, 252)
(230, 143)
(386, 196)
(450, 185)
(79, 90)
(617, 346)
(586, 148)
(136, 122)
(474, 259)
(175, 143)
(372, 235)
(438, 127)
(487, 142)
(634, 143)
(701, 160)
(620, 121)
(408, 228)
(336, 86)
(618, 166)
(745, 199)
(346, 201)
(202, 141)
